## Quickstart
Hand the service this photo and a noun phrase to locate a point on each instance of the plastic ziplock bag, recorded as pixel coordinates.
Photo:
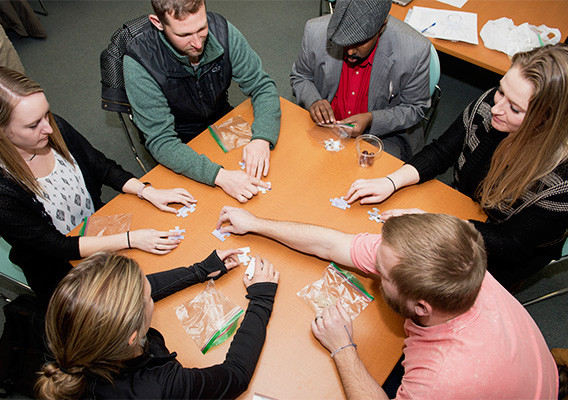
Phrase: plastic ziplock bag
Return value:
(210, 318)
(332, 137)
(337, 284)
(233, 133)
(503, 35)
(104, 226)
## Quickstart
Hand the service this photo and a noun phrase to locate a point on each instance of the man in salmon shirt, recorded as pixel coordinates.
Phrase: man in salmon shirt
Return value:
(363, 67)
(468, 337)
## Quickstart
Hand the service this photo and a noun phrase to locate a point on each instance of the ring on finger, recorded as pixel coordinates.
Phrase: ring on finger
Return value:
(316, 319)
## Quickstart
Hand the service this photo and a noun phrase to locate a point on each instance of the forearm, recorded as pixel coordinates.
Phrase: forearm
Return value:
(168, 282)
(322, 242)
(356, 380)
(89, 245)
(406, 175)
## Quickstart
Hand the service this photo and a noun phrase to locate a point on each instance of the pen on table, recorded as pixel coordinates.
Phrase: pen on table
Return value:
(425, 29)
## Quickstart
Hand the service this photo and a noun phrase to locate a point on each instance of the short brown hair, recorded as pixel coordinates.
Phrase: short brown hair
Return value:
(179, 8)
(442, 260)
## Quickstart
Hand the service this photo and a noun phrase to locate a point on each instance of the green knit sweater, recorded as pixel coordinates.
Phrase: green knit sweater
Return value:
(152, 115)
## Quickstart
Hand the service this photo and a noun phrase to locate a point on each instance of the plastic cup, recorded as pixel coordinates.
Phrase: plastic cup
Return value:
(368, 148)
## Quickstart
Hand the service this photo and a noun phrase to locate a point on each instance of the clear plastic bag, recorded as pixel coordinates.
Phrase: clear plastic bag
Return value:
(231, 134)
(337, 284)
(106, 225)
(210, 318)
(332, 137)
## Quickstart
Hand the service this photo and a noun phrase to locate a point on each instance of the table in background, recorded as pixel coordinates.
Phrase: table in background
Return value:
(304, 177)
(552, 13)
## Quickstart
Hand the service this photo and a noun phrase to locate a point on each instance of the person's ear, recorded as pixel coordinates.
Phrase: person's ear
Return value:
(422, 308)
(132, 338)
(156, 21)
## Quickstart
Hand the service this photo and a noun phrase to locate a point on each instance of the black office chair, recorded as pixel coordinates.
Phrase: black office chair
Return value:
(326, 6)
(113, 93)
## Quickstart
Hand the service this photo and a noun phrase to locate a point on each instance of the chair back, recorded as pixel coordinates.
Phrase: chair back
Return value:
(434, 69)
(113, 93)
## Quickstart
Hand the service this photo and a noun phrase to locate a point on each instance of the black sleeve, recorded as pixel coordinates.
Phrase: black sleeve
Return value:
(168, 282)
(515, 246)
(97, 169)
(442, 153)
(231, 378)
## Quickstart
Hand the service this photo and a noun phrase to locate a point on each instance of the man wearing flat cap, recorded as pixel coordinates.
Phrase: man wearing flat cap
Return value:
(364, 67)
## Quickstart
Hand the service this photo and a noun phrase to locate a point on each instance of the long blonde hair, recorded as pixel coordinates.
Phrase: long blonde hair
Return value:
(13, 87)
(541, 142)
(92, 314)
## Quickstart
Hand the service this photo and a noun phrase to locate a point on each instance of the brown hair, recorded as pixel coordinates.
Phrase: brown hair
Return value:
(441, 259)
(13, 87)
(88, 325)
(541, 142)
(179, 8)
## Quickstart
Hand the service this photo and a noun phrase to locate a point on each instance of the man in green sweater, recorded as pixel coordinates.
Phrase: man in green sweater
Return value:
(177, 71)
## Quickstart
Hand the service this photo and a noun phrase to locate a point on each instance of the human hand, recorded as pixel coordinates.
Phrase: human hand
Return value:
(160, 198)
(370, 190)
(239, 184)
(263, 272)
(322, 113)
(333, 327)
(239, 221)
(153, 241)
(257, 157)
(360, 123)
(228, 258)
(400, 211)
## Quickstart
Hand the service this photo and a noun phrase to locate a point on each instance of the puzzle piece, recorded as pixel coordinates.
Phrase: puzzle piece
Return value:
(332, 145)
(375, 215)
(263, 189)
(242, 164)
(183, 212)
(340, 202)
(244, 258)
(221, 236)
(176, 233)
(250, 269)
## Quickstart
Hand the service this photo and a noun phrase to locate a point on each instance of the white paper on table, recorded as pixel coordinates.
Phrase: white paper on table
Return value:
(455, 3)
(450, 25)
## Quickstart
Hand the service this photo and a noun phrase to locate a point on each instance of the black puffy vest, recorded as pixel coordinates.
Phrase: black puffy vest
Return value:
(194, 102)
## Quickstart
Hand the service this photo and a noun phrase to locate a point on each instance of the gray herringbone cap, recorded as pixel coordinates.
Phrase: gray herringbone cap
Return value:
(355, 21)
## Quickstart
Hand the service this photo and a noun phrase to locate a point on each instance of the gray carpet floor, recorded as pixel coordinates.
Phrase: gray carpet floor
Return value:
(66, 64)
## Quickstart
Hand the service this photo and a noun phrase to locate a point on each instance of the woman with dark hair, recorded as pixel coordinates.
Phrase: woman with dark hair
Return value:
(50, 179)
(104, 347)
(509, 150)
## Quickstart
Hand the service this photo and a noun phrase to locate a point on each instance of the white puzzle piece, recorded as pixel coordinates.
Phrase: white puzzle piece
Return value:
(183, 212)
(250, 269)
(263, 189)
(244, 258)
(340, 202)
(221, 236)
(176, 233)
(375, 215)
